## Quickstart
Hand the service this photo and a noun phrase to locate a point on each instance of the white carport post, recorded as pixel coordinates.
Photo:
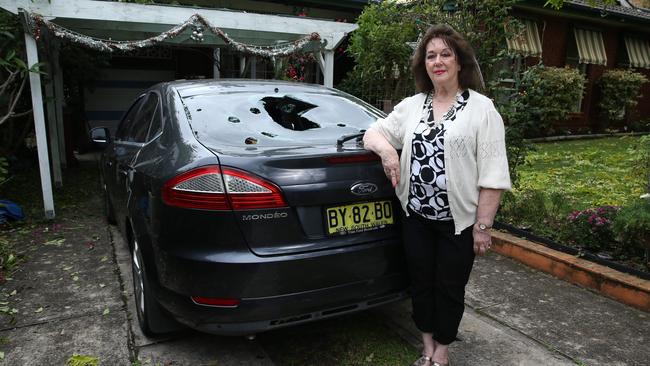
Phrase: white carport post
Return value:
(216, 63)
(52, 128)
(58, 101)
(39, 126)
(325, 59)
(328, 72)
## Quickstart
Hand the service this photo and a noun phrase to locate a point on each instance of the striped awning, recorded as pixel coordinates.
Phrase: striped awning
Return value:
(638, 52)
(527, 43)
(591, 48)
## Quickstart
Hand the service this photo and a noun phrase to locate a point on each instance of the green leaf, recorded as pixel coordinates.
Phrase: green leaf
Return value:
(82, 360)
(20, 63)
(55, 242)
(106, 311)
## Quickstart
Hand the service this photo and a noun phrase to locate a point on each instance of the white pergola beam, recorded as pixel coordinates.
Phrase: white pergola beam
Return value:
(39, 126)
(113, 11)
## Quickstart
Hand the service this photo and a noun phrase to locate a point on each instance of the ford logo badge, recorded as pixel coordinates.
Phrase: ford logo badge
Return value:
(363, 189)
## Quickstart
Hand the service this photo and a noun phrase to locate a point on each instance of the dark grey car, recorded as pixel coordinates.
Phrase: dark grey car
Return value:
(242, 210)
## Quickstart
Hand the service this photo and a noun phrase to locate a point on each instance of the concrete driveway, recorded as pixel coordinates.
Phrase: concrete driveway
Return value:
(186, 347)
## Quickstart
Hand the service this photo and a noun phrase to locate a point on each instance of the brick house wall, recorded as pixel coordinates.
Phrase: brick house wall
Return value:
(556, 31)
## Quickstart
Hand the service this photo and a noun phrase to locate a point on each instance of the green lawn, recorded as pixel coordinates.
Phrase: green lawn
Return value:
(589, 173)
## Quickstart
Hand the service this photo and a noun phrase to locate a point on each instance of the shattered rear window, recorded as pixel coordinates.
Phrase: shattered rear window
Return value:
(276, 119)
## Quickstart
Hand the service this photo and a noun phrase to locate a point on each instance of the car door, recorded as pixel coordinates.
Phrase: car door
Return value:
(125, 149)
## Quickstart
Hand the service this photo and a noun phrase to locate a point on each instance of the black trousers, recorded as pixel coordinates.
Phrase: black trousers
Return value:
(439, 265)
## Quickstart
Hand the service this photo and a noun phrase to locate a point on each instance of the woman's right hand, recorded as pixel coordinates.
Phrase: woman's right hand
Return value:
(375, 142)
(390, 162)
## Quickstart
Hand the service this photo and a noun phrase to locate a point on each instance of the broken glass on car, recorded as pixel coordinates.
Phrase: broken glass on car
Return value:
(277, 119)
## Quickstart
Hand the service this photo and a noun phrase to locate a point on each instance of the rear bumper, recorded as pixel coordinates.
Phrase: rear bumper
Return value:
(273, 313)
(280, 291)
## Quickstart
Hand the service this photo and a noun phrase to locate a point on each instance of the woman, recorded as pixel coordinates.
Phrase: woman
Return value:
(448, 178)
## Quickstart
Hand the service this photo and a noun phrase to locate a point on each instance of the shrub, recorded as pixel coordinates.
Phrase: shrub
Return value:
(4, 172)
(641, 154)
(548, 94)
(632, 225)
(534, 210)
(620, 90)
(591, 228)
(642, 125)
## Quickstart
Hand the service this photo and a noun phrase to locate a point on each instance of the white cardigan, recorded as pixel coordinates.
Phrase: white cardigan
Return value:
(475, 152)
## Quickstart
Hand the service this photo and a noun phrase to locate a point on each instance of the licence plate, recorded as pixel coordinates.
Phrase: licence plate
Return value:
(358, 217)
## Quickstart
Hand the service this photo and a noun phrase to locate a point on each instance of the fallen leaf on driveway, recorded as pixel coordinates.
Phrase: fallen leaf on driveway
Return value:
(55, 242)
(106, 312)
(39, 310)
(82, 360)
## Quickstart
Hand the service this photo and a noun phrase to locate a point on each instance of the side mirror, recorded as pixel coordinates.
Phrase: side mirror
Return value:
(100, 136)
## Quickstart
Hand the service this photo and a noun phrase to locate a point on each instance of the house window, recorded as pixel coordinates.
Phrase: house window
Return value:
(585, 47)
(525, 43)
(638, 52)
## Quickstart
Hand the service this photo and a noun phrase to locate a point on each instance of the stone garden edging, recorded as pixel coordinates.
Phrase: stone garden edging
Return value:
(619, 286)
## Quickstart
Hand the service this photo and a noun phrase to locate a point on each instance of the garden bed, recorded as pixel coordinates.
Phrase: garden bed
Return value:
(580, 253)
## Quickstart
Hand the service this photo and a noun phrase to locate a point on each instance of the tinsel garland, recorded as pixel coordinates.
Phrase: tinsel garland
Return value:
(196, 22)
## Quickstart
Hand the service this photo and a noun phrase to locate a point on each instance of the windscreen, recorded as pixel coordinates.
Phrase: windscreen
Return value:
(276, 119)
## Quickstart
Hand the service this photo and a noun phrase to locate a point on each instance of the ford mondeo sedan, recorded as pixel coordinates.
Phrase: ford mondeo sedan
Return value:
(251, 205)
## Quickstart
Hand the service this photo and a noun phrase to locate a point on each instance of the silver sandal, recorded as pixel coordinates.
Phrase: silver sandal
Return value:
(422, 361)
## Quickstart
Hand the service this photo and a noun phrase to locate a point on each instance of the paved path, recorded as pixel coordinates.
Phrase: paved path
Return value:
(66, 294)
(519, 316)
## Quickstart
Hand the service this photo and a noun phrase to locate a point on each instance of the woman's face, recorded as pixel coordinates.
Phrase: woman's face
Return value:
(441, 63)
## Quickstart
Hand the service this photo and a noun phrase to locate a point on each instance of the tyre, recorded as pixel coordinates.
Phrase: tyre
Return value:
(151, 317)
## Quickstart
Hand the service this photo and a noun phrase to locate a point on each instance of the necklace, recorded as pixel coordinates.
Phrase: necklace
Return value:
(436, 123)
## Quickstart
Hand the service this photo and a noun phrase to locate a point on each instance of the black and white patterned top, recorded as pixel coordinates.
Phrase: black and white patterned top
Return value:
(428, 188)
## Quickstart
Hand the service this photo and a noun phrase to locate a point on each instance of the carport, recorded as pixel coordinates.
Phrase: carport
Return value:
(111, 25)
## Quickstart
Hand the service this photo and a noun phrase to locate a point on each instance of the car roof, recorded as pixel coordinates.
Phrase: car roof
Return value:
(188, 88)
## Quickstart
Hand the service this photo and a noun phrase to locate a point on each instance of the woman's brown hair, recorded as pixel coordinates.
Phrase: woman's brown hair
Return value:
(469, 75)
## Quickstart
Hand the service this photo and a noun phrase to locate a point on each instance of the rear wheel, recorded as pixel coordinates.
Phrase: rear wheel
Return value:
(151, 317)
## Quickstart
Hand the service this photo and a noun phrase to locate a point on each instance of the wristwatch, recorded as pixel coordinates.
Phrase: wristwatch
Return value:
(483, 227)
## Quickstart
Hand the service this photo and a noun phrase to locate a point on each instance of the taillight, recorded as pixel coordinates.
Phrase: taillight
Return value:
(199, 188)
(352, 159)
(214, 188)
